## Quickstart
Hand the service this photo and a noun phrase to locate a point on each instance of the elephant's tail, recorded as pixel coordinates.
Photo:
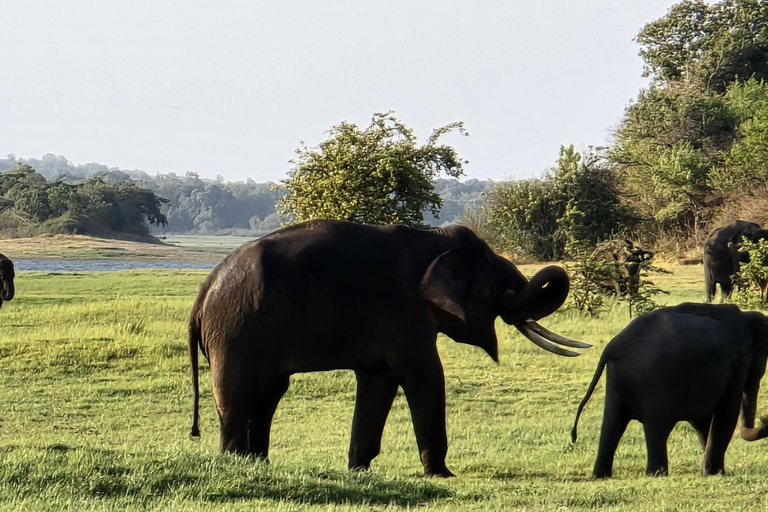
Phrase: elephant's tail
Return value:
(194, 343)
(592, 385)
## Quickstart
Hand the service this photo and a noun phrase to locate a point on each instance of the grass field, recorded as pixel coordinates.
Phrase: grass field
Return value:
(95, 409)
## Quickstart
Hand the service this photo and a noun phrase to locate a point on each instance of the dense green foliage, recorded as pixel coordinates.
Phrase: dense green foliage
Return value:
(691, 152)
(30, 204)
(751, 281)
(577, 204)
(96, 407)
(695, 138)
(614, 274)
(378, 175)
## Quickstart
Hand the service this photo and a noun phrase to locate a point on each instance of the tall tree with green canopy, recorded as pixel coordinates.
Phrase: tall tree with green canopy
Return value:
(706, 45)
(377, 175)
(679, 141)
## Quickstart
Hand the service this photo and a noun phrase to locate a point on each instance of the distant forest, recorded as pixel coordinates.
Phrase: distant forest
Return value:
(218, 207)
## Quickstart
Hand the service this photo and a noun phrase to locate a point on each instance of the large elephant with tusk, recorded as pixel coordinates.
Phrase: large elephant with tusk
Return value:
(326, 295)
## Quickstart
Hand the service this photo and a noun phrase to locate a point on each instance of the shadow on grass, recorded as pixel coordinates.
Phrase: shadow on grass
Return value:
(82, 472)
(336, 488)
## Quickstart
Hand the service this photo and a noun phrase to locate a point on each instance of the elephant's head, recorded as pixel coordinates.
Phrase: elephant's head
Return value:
(754, 233)
(470, 286)
(758, 327)
(6, 277)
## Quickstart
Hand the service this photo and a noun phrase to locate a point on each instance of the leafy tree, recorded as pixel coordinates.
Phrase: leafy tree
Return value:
(93, 206)
(378, 175)
(577, 204)
(707, 46)
(695, 135)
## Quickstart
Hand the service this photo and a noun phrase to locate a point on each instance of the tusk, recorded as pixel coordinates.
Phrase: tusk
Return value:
(544, 343)
(552, 336)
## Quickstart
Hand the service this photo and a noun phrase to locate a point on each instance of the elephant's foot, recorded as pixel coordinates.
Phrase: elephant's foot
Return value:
(359, 466)
(601, 475)
(657, 472)
(708, 469)
(444, 472)
(434, 463)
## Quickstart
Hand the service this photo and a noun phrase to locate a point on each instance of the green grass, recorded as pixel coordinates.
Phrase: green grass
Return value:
(95, 409)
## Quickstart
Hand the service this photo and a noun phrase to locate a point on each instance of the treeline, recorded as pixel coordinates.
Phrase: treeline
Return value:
(188, 204)
(690, 154)
(30, 204)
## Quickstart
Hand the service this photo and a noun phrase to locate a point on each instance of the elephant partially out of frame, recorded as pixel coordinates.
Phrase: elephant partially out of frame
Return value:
(700, 363)
(326, 295)
(7, 274)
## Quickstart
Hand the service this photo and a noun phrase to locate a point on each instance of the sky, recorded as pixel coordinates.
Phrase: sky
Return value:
(231, 88)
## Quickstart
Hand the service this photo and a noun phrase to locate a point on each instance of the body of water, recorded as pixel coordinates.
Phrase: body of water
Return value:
(67, 265)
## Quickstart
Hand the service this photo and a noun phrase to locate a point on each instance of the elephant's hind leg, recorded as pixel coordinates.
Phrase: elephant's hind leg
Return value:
(720, 433)
(376, 389)
(656, 436)
(616, 416)
(260, 422)
(233, 436)
(701, 426)
(231, 391)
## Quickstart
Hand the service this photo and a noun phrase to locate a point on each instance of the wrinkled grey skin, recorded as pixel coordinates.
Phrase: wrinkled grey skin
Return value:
(326, 295)
(723, 258)
(700, 363)
(7, 274)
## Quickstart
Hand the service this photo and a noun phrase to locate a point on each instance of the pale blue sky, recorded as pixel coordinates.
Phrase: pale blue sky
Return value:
(231, 87)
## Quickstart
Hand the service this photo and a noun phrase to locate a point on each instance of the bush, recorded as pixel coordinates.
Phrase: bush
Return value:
(614, 272)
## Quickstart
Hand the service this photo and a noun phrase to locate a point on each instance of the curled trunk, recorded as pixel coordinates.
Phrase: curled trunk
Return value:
(546, 291)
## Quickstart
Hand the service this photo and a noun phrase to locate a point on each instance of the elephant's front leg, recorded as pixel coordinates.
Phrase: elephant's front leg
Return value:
(376, 389)
(424, 388)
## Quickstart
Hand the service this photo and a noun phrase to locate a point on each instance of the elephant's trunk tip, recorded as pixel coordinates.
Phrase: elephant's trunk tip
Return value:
(574, 435)
(194, 434)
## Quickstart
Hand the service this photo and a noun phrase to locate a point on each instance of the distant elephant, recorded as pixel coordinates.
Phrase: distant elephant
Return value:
(623, 276)
(326, 295)
(722, 255)
(7, 274)
(698, 363)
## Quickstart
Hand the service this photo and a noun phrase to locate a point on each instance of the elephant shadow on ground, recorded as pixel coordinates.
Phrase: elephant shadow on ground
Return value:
(114, 474)
(334, 487)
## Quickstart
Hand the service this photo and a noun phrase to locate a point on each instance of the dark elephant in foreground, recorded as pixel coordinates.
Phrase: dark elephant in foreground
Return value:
(722, 255)
(700, 363)
(7, 274)
(326, 295)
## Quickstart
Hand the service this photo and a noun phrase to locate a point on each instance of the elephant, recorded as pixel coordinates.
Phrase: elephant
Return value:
(623, 277)
(7, 274)
(700, 363)
(722, 255)
(325, 294)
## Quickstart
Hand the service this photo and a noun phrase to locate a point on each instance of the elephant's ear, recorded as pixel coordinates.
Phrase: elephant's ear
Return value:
(445, 284)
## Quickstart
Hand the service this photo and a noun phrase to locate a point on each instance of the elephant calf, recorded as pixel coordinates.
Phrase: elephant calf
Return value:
(698, 363)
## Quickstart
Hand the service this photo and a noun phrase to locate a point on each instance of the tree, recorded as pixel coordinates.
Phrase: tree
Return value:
(694, 136)
(378, 175)
(574, 207)
(707, 46)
